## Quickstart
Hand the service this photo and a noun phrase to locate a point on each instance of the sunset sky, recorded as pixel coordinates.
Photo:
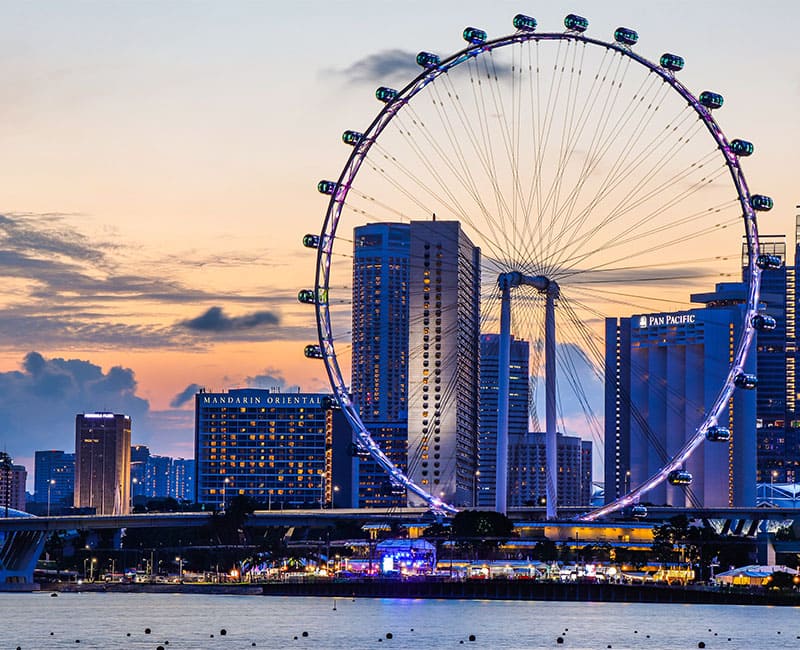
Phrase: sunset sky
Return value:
(159, 171)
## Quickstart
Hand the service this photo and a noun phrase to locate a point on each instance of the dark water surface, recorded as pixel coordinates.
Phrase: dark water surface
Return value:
(101, 620)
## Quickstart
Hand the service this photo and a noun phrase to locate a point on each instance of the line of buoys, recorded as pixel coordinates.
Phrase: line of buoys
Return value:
(560, 639)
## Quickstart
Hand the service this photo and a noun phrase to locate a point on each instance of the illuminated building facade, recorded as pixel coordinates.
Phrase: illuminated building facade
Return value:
(777, 419)
(12, 487)
(379, 380)
(663, 372)
(285, 450)
(486, 478)
(527, 484)
(443, 367)
(182, 479)
(103, 462)
(54, 477)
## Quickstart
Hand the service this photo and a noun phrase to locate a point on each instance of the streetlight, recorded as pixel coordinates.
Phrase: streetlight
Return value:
(50, 484)
(773, 475)
(179, 560)
(224, 490)
(134, 483)
(335, 490)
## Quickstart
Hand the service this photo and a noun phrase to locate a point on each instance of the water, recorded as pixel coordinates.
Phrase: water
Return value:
(187, 621)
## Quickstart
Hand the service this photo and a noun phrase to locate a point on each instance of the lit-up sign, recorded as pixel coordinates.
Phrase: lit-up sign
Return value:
(272, 399)
(656, 320)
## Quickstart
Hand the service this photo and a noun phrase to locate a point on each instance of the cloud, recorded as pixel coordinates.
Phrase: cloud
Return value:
(40, 401)
(271, 379)
(382, 66)
(42, 398)
(185, 395)
(214, 319)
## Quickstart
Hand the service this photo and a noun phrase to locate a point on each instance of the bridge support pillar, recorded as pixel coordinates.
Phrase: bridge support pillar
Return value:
(19, 552)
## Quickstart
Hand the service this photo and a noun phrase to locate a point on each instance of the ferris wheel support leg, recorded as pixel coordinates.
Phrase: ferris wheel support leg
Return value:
(503, 387)
(551, 442)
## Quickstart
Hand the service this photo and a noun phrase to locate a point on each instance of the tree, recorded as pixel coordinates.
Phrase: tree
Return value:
(481, 531)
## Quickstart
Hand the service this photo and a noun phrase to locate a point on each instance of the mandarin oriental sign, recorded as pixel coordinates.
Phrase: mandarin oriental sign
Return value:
(271, 399)
(656, 320)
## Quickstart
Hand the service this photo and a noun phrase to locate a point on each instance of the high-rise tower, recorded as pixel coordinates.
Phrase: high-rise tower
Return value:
(444, 328)
(380, 352)
(103, 462)
(519, 390)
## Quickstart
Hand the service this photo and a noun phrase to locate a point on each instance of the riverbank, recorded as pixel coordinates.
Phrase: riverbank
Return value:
(464, 590)
(529, 590)
(153, 588)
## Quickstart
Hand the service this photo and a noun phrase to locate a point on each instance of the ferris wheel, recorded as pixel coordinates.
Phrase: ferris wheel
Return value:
(595, 185)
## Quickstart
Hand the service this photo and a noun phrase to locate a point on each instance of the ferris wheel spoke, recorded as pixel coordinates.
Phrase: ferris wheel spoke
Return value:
(617, 175)
(572, 222)
(652, 244)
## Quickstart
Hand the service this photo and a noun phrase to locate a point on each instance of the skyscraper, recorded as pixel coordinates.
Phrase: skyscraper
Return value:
(527, 459)
(444, 328)
(54, 478)
(486, 479)
(777, 421)
(12, 487)
(140, 456)
(102, 462)
(662, 373)
(183, 479)
(380, 352)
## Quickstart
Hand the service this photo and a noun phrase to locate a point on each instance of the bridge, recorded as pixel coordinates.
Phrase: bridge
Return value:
(22, 536)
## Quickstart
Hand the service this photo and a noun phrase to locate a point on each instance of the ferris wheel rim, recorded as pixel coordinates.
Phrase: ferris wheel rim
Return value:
(358, 156)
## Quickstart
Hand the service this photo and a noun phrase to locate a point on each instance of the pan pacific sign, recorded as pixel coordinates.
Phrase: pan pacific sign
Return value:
(660, 320)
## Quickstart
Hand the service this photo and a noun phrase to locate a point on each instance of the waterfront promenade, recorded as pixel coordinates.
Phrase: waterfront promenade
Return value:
(530, 590)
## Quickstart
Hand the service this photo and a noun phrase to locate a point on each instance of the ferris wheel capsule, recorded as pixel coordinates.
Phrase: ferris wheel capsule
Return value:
(761, 203)
(742, 148)
(679, 477)
(313, 351)
(718, 434)
(352, 137)
(711, 100)
(639, 511)
(769, 262)
(385, 94)
(575, 23)
(428, 60)
(625, 36)
(306, 296)
(763, 322)
(524, 23)
(311, 241)
(672, 62)
(474, 36)
(326, 187)
(745, 381)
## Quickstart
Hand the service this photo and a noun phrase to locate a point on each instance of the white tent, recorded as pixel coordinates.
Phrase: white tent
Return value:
(752, 575)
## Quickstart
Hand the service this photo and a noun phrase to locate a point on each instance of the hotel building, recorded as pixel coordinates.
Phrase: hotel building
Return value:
(285, 450)
(662, 374)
